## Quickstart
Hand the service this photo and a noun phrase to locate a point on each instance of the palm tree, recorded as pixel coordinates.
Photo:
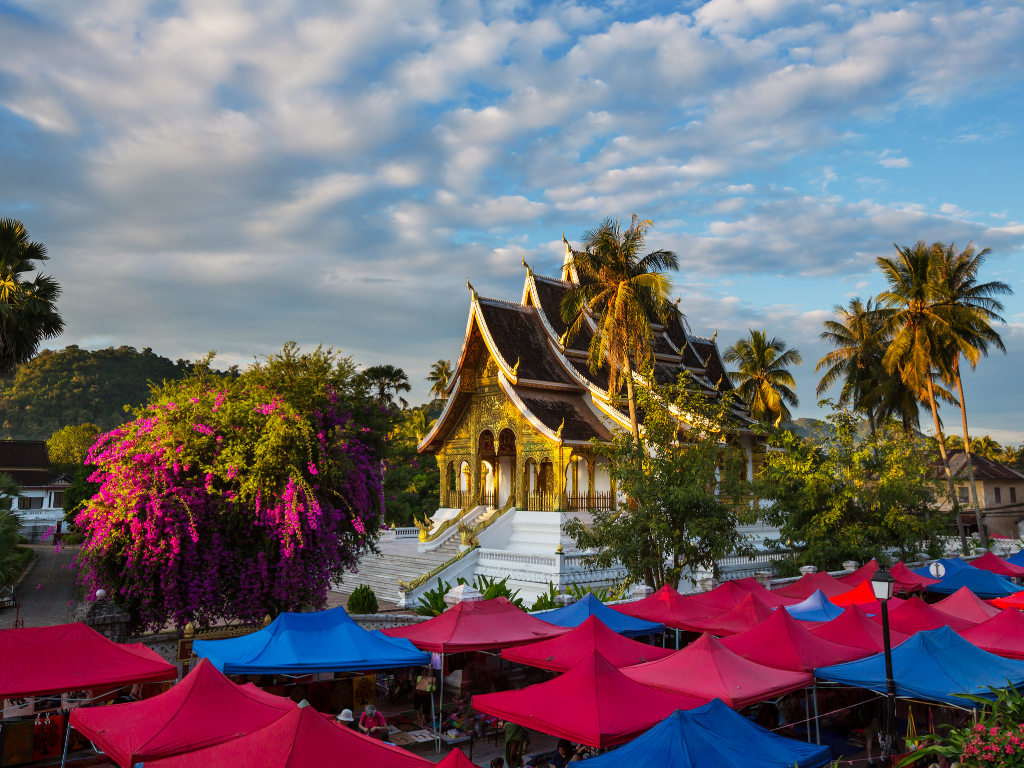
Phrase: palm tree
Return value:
(954, 443)
(762, 379)
(419, 424)
(623, 292)
(387, 379)
(440, 376)
(10, 528)
(987, 447)
(859, 339)
(920, 339)
(28, 312)
(1013, 457)
(973, 309)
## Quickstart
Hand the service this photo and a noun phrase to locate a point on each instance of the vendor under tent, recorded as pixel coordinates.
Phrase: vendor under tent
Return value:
(301, 738)
(816, 608)
(864, 596)
(668, 607)
(810, 583)
(706, 669)
(746, 614)
(989, 562)
(564, 652)
(712, 736)
(780, 642)
(915, 615)
(762, 593)
(574, 615)
(964, 604)
(984, 584)
(73, 657)
(593, 703)
(1002, 635)
(932, 666)
(855, 628)
(204, 709)
(303, 643)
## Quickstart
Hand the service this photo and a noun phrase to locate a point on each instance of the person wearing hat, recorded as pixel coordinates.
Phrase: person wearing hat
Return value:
(346, 719)
(371, 722)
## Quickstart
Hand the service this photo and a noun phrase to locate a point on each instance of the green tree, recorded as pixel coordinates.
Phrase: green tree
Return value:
(11, 559)
(685, 495)
(1013, 457)
(69, 447)
(856, 361)
(28, 307)
(987, 447)
(388, 381)
(440, 377)
(78, 493)
(834, 498)
(412, 484)
(622, 292)
(763, 380)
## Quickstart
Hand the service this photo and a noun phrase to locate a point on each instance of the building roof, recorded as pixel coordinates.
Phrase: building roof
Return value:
(28, 462)
(984, 469)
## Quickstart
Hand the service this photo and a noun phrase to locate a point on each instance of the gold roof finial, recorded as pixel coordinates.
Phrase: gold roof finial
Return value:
(719, 384)
(471, 288)
(558, 432)
(562, 339)
(515, 368)
(714, 336)
(528, 270)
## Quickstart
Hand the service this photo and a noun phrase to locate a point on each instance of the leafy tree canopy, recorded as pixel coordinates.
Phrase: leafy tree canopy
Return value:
(412, 485)
(68, 447)
(685, 491)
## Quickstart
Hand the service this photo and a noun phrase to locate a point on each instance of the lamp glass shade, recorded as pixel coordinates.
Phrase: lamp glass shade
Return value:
(882, 584)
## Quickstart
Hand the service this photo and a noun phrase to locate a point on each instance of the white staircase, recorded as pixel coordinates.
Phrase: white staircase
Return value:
(382, 572)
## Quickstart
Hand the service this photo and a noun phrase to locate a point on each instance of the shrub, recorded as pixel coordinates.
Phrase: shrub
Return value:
(362, 600)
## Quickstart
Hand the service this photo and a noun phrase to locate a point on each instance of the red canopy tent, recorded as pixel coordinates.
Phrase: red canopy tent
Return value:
(810, 583)
(855, 628)
(706, 669)
(781, 642)
(915, 615)
(593, 703)
(964, 604)
(1013, 601)
(202, 710)
(299, 739)
(860, 575)
(1002, 635)
(668, 607)
(456, 759)
(746, 614)
(562, 653)
(768, 597)
(476, 625)
(908, 581)
(73, 657)
(989, 562)
(723, 597)
(864, 596)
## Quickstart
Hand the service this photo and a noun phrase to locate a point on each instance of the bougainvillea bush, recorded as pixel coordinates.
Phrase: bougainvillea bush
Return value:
(236, 496)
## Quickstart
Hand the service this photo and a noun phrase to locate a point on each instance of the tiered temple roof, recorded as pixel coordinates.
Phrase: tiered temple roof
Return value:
(549, 381)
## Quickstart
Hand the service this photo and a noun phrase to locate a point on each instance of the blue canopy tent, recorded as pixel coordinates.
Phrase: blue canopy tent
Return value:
(932, 666)
(817, 607)
(984, 584)
(950, 564)
(1017, 559)
(711, 736)
(575, 614)
(302, 643)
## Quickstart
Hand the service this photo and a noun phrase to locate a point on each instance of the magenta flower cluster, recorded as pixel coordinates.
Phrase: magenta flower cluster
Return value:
(228, 501)
(992, 745)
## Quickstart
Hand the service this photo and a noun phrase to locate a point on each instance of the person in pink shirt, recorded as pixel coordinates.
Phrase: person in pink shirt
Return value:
(371, 722)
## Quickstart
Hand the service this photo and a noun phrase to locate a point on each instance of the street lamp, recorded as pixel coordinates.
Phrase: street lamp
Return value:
(882, 584)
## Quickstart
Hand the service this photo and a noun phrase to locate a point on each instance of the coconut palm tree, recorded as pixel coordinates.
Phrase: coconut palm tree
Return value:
(859, 340)
(419, 424)
(10, 528)
(28, 312)
(440, 377)
(763, 380)
(973, 309)
(388, 380)
(623, 293)
(1013, 457)
(987, 447)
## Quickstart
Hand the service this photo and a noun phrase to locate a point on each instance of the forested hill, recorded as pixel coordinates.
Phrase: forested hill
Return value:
(74, 386)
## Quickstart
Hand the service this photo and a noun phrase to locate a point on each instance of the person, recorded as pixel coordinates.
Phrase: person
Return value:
(515, 744)
(371, 722)
(423, 697)
(498, 762)
(346, 719)
(565, 754)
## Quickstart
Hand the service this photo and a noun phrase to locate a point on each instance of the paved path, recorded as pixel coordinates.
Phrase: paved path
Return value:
(46, 591)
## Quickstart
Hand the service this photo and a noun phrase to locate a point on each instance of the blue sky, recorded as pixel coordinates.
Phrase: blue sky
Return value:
(231, 175)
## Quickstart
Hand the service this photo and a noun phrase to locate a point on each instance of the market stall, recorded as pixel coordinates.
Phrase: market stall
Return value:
(746, 614)
(726, 595)
(204, 709)
(668, 607)
(984, 584)
(810, 583)
(301, 738)
(706, 669)
(933, 666)
(915, 615)
(303, 643)
(712, 736)
(562, 653)
(577, 613)
(855, 628)
(781, 642)
(964, 604)
(1002, 635)
(864, 597)
(990, 562)
(593, 703)
(817, 609)
(761, 592)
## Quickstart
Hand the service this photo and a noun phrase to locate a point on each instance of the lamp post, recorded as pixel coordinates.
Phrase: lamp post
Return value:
(882, 584)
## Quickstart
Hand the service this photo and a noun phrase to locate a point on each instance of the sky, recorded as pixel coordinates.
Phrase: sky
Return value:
(229, 175)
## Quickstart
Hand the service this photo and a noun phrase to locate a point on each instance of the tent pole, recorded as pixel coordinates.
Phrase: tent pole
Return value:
(67, 738)
(817, 728)
(440, 705)
(677, 638)
(807, 714)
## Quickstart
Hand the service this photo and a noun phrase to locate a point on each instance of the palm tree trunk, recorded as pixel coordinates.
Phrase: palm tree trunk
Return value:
(967, 447)
(632, 404)
(945, 464)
